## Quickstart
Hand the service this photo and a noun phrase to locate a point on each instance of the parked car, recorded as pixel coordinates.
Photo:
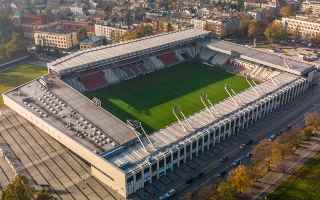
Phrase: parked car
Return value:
(224, 159)
(169, 194)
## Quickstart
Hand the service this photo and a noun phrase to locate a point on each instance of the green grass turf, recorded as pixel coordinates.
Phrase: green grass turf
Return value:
(18, 75)
(150, 98)
(304, 186)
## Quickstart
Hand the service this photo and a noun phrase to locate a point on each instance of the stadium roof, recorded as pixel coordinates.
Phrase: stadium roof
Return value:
(268, 59)
(166, 138)
(92, 117)
(95, 55)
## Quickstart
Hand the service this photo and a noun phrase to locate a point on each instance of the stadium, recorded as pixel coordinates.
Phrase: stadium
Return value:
(138, 109)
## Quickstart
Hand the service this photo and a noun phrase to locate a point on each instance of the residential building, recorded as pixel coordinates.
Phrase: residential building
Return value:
(223, 26)
(110, 30)
(199, 23)
(56, 39)
(307, 27)
(77, 10)
(312, 6)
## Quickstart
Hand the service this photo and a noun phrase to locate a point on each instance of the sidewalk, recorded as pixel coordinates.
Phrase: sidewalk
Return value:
(273, 179)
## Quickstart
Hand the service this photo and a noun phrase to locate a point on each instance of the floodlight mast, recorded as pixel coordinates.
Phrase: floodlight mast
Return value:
(255, 89)
(136, 125)
(203, 98)
(232, 98)
(181, 118)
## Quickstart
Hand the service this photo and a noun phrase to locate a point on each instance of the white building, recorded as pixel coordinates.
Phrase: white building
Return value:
(313, 6)
(307, 27)
(109, 31)
(77, 10)
(198, 23)
(56, 38)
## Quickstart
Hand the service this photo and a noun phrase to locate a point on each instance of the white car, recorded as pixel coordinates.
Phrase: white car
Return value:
(168, 194)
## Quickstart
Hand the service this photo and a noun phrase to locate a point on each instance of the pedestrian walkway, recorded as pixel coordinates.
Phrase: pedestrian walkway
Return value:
(274, 178)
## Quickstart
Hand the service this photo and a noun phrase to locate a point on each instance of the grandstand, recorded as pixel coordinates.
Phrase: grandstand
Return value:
(119, 150)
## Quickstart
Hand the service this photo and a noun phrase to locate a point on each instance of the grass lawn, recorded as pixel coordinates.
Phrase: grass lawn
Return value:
(150, 98)
(18, 75)
(304, 186)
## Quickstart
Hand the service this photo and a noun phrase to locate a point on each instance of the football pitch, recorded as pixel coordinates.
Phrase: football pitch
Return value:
(18, 75)
(150, 98)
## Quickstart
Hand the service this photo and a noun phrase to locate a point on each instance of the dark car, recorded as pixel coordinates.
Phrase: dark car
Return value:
(189, 181)
(200, 175)
(250, 142)
(223, 173)
(224, 159)
(242, 146)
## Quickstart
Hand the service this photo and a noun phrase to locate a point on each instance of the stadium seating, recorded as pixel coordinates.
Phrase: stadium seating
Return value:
(168, 58)
(111, 76)
(206, 55)
(74, 82)
(93, 80)
(156, 62)
(179, 56)
(219, 59)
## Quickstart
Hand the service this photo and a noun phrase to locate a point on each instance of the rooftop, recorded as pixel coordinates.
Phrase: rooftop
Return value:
(92, 40)
(268, 59)
(121, 49)
(73, 114)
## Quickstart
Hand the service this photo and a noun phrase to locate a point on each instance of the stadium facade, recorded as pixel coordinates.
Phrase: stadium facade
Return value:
(120, 154)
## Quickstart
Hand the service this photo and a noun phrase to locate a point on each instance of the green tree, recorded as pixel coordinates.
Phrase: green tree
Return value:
(286, 11)
(240, 179)
(43, 195)
(244, 25)
(169, 27)
(18, 189)
(225, 191)
(275, 32)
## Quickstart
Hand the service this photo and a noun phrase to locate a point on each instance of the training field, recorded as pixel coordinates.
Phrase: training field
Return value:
(150, 98)
(302, 186)
(18, 75)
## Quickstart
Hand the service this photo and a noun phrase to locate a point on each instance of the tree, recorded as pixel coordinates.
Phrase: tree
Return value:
(244, 25)
(82, 33)
(277, 153)
(312, 119)
(169, 27)
(261, 151)
(252, 29)
(275, 32)
(286, 11)
(261, 158)
(18, 189)
(225, 191)
(43, 195)
(240, 179)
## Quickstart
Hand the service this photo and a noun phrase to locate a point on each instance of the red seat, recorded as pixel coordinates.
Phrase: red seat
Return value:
(94, 81)
(168, 58)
